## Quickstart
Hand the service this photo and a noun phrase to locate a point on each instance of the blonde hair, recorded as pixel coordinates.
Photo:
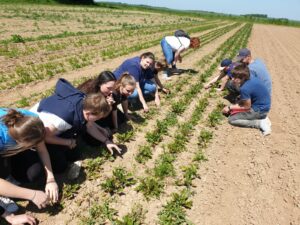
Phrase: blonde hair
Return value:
(125, 79)
(27, 131)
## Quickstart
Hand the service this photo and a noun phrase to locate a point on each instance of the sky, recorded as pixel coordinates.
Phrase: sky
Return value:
(289, 9)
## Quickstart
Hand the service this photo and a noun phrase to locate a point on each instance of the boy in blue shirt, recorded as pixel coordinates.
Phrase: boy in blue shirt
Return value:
(254, 104)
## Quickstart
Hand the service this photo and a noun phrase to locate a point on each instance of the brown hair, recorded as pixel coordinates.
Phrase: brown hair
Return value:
(241, 71)
(27, 131)
(161, 63)
(195, 42)
(97, 104)
(148, 55)
(125, 79)
(93, 85)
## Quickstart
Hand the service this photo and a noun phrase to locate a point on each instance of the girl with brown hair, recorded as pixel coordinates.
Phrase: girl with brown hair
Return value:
(21, 130)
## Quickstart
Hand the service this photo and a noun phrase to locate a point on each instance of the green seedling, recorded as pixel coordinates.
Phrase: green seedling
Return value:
(118, 181)
(204, 138)
(93, 168)
(144, 154)
(125, 137)
(150, 187)
(70, 191)
(164, 167)
(135, 217)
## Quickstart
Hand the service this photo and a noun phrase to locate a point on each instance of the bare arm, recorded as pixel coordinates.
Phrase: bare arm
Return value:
(51, 138)
(141, 97)
(177, 53)
(115, 119)
(215, 79)
(51, 185)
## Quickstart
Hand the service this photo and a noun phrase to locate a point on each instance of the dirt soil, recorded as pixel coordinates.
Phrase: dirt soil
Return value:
(250, 179)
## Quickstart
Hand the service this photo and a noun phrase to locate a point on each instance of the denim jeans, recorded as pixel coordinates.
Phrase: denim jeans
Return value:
(167, 50)
(249, 119)
(147, 87)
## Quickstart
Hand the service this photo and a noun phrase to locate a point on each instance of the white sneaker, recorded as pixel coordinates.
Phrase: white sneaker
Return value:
(166, 77)
(265, 126)
(269, 121)
(8, 204)
(74, 170)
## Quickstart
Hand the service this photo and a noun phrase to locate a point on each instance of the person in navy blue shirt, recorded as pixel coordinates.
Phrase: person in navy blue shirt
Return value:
(254, 104)
(137, 67)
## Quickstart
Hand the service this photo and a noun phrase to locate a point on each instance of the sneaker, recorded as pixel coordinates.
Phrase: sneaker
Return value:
(74, 170)
(8, 204)
(265, 126)
(166, 77)
(269, 121)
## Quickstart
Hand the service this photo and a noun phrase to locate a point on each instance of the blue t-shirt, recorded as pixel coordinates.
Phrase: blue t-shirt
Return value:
(259, 70)
(133, 67)
(5, 139)
(255, 90)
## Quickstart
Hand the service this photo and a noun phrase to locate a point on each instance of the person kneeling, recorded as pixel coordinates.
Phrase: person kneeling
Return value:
(254, 104)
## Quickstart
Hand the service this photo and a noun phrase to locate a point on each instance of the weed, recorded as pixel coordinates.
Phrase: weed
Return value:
(144, 153)
(118, 181)
(150, 187)
(16, 38)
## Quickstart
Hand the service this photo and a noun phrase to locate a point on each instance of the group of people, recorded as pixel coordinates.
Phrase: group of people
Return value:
(37, 143)
(249, 84)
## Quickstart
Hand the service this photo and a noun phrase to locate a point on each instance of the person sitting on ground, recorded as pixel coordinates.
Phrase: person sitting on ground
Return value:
(137, 67)
(68, 113)
(20, 131)
(257, 67)
(152, 74)
(254, 103)
(173, 47)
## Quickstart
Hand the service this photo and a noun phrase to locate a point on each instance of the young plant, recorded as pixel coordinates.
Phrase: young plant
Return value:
(93, 168)
(118, 181)
(144, 153)
(204, 138)
(215, 118)
(173, 212)
(70, 191)
(189, 174)
(135, 217)
(125, 137)
(164, 166)
(150, 187)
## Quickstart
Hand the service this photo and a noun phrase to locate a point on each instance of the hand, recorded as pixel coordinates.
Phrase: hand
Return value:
(226, 110)
(166, 91)
(157, 100)
(146, 108)
(206, 86)
(72, 143)
(112, 146)
(110, 99)
(40, 199)
(52, 191)
(20, 219)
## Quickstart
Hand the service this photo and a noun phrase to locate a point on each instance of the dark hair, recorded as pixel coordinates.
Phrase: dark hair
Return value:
(97, 104)
(241, 71)
(195, 42)
(161, 63)
(28, 131)
(148, 55)
(125, 79)
(93, 85)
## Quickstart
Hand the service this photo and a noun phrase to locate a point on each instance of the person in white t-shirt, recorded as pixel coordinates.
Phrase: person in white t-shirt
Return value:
(173, 46)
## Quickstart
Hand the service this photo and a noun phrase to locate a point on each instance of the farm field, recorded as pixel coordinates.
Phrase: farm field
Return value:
(184, 164)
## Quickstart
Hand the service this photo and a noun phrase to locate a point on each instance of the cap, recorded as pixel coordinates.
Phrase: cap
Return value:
(243, 53)
(225, 63)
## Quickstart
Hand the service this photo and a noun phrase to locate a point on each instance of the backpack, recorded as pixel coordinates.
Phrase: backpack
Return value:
(181, 33)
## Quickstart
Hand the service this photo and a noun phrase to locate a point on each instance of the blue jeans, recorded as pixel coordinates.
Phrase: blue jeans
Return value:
(147, 87)
(167, 50)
